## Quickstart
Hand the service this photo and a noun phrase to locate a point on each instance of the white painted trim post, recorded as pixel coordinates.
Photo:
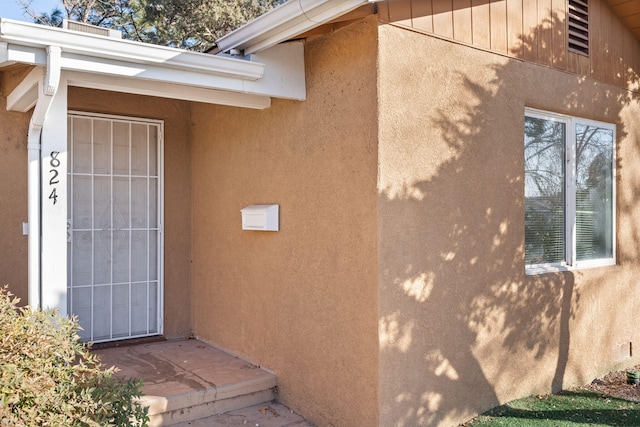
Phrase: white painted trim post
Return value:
(47, 88)
(33, 196)
(54, 204)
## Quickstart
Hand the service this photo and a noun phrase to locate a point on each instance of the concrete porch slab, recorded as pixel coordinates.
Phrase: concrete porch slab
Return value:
(189, 380)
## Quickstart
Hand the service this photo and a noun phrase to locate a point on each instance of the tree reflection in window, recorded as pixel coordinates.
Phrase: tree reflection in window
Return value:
(544, 190)
(561, 204)
(594, 209)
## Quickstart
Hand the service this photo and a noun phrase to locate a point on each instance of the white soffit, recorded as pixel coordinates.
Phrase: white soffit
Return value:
(134, 67)
(167, 90)
(24, 96)
(285, 22)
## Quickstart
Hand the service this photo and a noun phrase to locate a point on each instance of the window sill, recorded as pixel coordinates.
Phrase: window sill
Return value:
(532, 270)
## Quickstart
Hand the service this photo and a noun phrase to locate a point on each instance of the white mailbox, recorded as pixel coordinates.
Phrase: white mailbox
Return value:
(260, 217)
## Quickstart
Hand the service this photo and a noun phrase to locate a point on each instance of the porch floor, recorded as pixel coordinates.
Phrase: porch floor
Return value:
(190, 383)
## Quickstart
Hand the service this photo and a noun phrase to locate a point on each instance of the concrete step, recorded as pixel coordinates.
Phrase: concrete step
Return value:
(263, 415)
(190, 380)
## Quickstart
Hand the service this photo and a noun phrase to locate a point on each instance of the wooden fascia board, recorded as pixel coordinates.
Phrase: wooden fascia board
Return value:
(343, 21)
(326, 29)
(359, 13)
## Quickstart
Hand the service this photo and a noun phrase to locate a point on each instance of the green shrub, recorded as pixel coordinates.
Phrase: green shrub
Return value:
(49, 378)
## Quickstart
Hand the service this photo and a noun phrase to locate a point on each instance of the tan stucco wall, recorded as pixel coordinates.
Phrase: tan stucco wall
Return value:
(177, 191)
(462, 328)
(301, 301)
(13, 197)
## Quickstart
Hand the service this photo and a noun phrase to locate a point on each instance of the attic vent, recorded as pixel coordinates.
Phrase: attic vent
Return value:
(91, 29)
(579, 26)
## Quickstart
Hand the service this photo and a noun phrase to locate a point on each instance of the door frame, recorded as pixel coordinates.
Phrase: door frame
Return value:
(160, 249)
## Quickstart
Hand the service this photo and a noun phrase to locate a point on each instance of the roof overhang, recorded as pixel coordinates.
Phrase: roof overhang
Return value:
(286, 21)
(629, 12)
(296, 17)
(100, 62)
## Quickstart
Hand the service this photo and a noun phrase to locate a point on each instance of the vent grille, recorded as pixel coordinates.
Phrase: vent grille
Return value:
(91, 29)
(579, 26)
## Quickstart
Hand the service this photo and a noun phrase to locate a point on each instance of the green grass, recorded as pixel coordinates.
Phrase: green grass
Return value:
(569, 408)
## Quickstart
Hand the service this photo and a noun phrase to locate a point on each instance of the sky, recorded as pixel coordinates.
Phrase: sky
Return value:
(11, 9)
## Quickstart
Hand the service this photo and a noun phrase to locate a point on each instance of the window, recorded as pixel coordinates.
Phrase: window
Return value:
(569, 192)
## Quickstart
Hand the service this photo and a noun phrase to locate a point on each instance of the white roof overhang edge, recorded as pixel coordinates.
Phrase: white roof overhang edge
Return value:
(107, 63)
(284, 23)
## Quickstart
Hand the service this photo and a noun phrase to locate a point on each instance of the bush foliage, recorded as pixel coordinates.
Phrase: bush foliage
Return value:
(49, 378)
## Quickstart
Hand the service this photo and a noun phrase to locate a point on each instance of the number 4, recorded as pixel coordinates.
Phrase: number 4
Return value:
(53, 196)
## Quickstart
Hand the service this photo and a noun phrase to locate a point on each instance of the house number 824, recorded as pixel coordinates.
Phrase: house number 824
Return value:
(54, 163)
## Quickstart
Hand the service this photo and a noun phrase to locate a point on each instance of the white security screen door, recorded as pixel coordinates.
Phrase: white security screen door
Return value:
(115, 239)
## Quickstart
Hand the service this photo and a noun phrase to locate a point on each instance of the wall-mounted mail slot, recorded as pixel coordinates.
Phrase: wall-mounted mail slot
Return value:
(260, 217)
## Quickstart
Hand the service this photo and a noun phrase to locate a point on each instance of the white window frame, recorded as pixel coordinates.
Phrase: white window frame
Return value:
(570, 262)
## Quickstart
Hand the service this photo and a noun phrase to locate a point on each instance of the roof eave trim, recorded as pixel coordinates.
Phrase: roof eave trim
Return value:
(92, 45)
(285, 22)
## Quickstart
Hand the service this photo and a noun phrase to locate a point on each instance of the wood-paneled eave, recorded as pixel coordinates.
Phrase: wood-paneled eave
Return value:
(629, 12)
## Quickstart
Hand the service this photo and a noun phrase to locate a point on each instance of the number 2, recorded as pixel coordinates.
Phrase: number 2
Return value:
(54, 179)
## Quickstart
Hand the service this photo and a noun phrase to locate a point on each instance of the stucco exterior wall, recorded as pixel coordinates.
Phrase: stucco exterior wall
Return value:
(302, 301)
(177, 191)
(13, 198)
(462, 329)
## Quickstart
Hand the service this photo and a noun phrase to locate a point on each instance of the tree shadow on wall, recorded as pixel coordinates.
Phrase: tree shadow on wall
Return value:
(460, 322)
